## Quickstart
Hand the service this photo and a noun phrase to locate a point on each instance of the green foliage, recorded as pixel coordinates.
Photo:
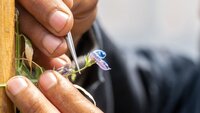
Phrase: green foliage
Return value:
(32, 71)
(26, 67)
(73, 73)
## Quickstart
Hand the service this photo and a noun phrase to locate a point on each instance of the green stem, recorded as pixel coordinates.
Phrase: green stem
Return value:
(86, 66)
(77, 71)
(18, 43)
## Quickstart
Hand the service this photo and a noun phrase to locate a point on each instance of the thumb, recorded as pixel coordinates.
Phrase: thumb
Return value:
(27, 97)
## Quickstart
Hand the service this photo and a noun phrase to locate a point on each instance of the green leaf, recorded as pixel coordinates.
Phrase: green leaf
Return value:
(87, 60)
(38, 72)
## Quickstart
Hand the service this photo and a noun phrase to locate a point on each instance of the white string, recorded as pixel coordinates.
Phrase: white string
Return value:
(85, 92)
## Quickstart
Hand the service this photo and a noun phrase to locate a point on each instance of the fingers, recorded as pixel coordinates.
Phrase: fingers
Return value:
(69, 3)
(51, 63)
(48, 43)
(42, 11)
(84, 12)
(60, 94)
(54, 14)
(63, 95)
(27, 97)
(82, 7)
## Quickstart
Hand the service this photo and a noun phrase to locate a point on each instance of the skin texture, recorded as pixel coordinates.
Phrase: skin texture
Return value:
(55, 94)
(46, 22)
(40, 22)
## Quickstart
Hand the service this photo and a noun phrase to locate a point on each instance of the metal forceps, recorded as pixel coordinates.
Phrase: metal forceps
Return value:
(70, 44)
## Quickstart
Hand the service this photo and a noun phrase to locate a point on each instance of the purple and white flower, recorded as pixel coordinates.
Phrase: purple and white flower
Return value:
(98, 56)
(65, 70)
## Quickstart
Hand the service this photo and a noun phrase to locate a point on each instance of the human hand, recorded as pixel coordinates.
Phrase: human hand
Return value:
(47, 22)
(55, 94)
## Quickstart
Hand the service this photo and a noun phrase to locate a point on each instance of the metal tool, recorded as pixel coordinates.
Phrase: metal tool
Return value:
(70, 43)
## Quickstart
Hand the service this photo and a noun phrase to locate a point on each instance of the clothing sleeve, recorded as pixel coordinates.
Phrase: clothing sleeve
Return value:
(155, 81)
(146, 80)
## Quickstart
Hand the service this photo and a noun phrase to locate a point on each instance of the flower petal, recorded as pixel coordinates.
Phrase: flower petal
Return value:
(100, 53)
(97, 55)
(103, 65)
(94, 57)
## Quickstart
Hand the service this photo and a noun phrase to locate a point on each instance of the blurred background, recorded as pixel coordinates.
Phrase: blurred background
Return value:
(171, 24)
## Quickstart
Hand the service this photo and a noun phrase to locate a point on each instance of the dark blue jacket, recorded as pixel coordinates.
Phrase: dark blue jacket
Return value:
(143, 80)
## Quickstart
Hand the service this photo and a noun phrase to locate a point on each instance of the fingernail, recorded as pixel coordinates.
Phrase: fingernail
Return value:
(61, 61)
(58, 20)
(16, 85)
(51, 43)
(58, 62)
(48, 80)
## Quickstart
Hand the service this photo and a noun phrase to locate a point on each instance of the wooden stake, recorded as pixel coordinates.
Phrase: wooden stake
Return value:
(7, 51)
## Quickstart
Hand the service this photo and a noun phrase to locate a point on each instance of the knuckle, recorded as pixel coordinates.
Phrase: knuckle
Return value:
(69, 3)
(84, 7)
(95, 2)
(35, 106)
(35, 4)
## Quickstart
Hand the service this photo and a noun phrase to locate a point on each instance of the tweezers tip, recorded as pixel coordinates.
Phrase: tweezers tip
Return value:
(72, 49)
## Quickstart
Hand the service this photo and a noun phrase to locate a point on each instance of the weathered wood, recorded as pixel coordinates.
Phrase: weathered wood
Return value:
(7, 51)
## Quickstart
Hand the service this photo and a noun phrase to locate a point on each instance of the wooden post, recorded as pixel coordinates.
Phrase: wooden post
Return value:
(7, 51)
